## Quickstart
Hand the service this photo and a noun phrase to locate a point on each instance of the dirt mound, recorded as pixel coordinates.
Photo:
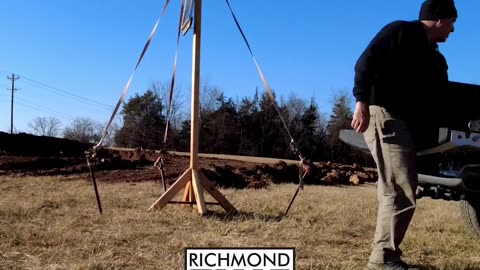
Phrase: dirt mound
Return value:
(29, 155)
(24, 144)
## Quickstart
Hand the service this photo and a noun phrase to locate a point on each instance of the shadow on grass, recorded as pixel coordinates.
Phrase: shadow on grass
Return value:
(453, 267)
(244, 216)
(426, 266)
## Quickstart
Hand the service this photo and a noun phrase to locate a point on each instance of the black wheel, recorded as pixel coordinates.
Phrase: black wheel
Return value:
(470, 209)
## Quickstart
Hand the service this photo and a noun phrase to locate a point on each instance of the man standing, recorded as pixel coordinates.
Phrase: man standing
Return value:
(397, 76)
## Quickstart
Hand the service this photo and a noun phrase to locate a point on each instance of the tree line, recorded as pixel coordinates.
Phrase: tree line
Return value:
(249, 126)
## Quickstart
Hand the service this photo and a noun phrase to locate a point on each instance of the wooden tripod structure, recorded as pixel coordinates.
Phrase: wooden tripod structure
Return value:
(192, 180)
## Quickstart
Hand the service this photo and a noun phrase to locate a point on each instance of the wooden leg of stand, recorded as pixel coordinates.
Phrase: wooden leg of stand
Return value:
(192, 195)
(187, 194)
(198, 190)
(210, 187)
(173, 190)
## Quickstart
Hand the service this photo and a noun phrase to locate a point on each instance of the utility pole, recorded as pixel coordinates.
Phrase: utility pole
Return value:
(13, 79)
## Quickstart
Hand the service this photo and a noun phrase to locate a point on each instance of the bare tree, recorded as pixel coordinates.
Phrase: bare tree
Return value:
(177, 104)
(46, 126)
(15, 130)
(294, 108)
(83, 130)
(209, 98)
(112, 131)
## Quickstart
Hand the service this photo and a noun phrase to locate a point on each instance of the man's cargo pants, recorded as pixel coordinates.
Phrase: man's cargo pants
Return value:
(392, 148)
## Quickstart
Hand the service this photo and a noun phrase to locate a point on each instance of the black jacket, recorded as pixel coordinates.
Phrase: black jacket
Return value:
(401, 71)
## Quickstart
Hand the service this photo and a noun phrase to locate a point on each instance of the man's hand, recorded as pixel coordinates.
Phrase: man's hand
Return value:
(361, 117)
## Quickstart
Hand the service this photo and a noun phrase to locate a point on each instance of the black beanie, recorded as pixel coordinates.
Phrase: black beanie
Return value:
(433, 10)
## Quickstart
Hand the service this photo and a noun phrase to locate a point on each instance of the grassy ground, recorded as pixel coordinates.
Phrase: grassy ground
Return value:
(52, 223)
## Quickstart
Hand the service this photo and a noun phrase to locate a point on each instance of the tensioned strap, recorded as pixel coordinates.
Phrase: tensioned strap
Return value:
(259, 71)
(272, 98)
(105, 132)
(172, 83)
(269, 91)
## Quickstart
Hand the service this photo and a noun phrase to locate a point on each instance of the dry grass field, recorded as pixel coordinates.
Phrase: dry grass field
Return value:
(53, 223)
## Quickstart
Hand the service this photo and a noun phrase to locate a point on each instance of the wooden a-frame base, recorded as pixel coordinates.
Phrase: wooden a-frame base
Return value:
(194, 183)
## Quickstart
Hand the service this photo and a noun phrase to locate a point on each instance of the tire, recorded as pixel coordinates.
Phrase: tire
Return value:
(470, 211)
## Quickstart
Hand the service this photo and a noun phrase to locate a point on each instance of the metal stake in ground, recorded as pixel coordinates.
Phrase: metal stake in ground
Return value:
(159, 164)
(300, 186)
(94, 181)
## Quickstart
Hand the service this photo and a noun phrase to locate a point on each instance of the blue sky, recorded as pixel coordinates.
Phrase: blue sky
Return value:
(87, 50)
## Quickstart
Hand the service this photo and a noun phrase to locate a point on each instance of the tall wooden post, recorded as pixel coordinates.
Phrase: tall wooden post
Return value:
(192, 180)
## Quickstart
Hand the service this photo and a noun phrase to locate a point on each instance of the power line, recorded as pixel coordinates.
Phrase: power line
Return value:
(5, 72)
(39, 84)
(80, 98)
(27, 102)
(41, 109)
